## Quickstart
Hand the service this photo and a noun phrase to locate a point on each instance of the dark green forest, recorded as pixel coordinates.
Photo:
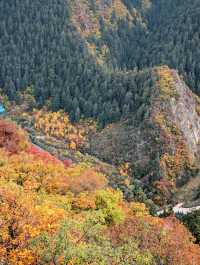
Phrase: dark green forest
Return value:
(40, 47)
(170, 35)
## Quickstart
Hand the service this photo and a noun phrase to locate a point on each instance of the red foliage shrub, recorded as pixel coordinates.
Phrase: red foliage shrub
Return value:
(43, 155)
(12, 138)
(67, 162)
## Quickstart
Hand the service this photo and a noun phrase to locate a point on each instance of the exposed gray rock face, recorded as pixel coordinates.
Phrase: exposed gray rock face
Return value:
(185, 115)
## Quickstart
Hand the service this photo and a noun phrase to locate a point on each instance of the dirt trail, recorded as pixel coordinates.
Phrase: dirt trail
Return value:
(180, 209)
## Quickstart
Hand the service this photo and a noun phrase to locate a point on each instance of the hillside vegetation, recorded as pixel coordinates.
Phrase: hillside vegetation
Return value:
(50, 214)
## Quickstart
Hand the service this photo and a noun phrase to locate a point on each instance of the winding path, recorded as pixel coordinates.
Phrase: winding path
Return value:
(180, 209)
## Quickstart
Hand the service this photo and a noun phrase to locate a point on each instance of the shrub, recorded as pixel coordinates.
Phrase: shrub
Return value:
(109, 202)
(88, 180)
(192, 221)
(12, 138)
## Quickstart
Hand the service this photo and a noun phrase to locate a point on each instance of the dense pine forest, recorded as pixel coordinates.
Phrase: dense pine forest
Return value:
(42, 47)
(169, 35)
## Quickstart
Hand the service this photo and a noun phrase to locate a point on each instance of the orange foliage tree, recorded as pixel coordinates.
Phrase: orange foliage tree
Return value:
(89, 180)
(58, 125)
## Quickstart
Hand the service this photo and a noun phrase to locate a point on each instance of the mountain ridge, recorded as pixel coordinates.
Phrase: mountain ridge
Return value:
(162, 147)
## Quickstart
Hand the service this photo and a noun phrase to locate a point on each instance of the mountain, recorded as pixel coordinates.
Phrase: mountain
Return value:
(153, 33)
(105, 94)
(104, 60)
(162, 145)
(75, 54)
(46, 52)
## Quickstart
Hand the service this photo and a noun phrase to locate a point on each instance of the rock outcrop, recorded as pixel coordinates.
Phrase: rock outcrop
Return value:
(163, 147)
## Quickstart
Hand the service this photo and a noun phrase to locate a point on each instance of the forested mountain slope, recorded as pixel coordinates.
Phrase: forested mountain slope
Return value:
(97, 81)
(40, 47)
(172, 38)
(84, 56)
(149, 33)
(71, 52)
(161, 146)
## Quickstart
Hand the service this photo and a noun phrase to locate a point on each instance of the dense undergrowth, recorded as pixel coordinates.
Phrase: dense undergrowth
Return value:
(57, 214)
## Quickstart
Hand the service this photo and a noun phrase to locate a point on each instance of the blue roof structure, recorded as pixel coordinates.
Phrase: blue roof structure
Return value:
(2, 109)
